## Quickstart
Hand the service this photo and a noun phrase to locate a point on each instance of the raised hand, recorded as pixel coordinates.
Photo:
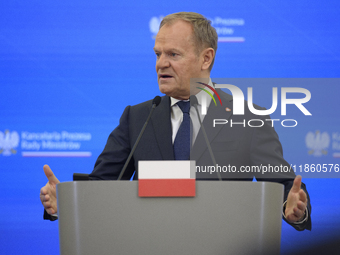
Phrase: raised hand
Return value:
(48, 193)
(296, 202)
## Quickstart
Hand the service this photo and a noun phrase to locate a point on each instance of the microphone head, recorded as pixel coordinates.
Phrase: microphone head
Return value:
(156, 100)
(193, 100)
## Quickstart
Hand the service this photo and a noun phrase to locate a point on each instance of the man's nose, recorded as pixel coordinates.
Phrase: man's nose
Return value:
(162, 62)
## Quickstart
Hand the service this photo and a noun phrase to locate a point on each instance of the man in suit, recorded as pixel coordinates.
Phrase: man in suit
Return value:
(185, 48)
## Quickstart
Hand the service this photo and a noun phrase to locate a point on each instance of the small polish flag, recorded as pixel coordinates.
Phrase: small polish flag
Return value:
(175, 178)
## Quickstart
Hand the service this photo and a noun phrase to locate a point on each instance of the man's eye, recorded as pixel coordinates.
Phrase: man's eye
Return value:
(174, 54)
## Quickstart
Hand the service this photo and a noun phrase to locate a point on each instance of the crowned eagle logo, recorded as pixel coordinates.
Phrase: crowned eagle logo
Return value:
(154, 25)
(317, 143)
(8, 142)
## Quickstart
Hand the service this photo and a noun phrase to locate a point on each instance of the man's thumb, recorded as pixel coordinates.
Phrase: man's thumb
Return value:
(297, 184)
(49, 174)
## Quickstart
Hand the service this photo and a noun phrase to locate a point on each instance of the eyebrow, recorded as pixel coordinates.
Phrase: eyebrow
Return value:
(172, 49)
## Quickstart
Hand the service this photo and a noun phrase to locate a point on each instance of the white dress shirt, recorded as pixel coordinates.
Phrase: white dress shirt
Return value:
(203, 100)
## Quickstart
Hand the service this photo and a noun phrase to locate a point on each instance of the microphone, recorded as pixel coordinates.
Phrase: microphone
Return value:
(155, 103)
(194, 103)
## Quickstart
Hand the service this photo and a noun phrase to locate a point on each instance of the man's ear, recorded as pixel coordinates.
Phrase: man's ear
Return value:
(207, 55)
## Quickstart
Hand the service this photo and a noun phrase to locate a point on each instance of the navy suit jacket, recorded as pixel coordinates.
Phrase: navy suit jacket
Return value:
(239, 145)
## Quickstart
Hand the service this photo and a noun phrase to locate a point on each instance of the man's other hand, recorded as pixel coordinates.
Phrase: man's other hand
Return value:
(296, 202)
(48, 194)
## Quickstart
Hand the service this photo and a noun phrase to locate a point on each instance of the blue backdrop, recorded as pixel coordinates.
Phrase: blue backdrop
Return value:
(69, 68)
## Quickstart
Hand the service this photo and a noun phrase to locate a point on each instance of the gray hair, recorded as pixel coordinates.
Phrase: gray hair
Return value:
(205, 35)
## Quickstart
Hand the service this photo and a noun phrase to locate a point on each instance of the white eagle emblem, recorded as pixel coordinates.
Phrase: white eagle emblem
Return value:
(154, 25)
(8, 141)
(317, 143)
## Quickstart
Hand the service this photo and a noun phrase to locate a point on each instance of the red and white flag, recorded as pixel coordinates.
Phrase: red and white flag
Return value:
(174, 178)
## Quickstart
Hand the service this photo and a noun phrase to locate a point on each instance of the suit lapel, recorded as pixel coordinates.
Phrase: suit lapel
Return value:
(161, 122)
(214, 112)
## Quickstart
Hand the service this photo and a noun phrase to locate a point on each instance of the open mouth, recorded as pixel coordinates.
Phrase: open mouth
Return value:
(165, 76)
